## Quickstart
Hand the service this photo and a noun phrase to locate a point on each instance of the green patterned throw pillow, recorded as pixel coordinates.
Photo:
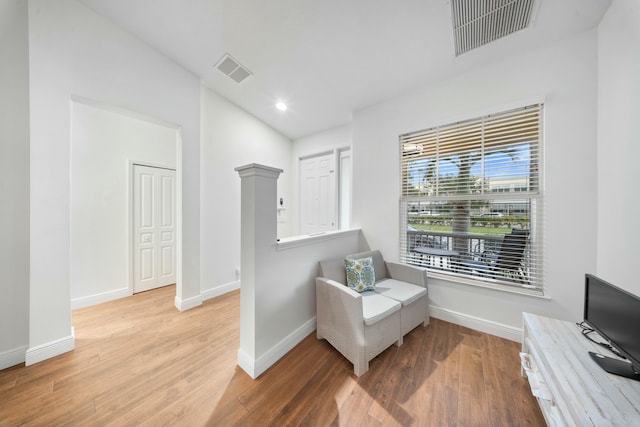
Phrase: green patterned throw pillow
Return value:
(360, 274)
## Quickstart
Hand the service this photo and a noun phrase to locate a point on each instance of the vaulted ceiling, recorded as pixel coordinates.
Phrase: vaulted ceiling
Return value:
(327, 58)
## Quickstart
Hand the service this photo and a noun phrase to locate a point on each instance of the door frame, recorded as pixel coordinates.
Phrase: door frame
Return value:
(131, 231)
(341, 153)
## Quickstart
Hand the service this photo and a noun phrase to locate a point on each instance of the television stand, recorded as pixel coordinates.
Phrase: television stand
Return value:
(570, 387)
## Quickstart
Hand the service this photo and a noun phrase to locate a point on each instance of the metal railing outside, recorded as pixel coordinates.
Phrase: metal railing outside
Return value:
(462, 251)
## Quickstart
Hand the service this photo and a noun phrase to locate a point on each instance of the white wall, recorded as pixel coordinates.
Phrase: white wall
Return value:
(564, 76)
(230, 138)
(619, 144)
(321, 142)
(74, 51)
(103, 145)
(14, 182)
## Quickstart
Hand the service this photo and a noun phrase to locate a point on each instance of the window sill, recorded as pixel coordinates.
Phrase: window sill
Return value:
(310, 239)
(486, 285)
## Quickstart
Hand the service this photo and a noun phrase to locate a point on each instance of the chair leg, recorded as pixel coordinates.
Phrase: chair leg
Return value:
(400, 341)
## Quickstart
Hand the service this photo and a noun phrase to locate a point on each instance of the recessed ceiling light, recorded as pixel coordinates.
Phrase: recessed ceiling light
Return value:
(281, 106)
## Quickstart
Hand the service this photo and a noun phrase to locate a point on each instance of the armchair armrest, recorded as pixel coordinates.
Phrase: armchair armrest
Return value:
(334, 292)
(407, 273)
(343, 302)
(340, 317)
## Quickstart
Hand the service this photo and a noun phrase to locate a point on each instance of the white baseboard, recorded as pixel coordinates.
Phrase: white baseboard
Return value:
(219, 290)
(189, 303)
(48, 350)
(247, 363)
(12, 357)
(100, 298)
(477, 323)
(256, 367)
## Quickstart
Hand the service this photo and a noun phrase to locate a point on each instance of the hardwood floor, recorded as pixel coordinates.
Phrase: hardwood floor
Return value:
(138, 361)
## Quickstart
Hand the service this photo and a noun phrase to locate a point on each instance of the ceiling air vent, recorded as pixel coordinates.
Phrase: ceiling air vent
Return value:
(232, 68)
(478, 22)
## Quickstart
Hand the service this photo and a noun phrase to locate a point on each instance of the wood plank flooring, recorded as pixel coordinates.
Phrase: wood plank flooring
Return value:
(138, 361)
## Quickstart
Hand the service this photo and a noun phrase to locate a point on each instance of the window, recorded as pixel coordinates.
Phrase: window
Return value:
(471, 201)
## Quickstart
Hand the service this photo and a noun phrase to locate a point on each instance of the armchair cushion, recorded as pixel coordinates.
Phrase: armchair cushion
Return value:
(360, 274)
(375, 307)
(403, 292)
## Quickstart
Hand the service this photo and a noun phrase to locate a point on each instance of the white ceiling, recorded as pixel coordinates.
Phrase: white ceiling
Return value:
(326, 58)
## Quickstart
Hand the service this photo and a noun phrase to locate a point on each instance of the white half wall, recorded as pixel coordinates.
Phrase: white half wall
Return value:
(232, 137)
(75, 52)
(277, 297)
(564, 77)
(14, 183)
(103, 146)
(619, 144)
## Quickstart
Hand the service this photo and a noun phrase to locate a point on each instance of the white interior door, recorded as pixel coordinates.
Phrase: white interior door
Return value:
(317, 194)
(154, 227)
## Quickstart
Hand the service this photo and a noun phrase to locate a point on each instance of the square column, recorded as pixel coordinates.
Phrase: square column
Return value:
(258, 238)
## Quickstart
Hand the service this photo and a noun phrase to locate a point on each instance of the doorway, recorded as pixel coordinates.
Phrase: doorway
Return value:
(105, 142)
(154, 227)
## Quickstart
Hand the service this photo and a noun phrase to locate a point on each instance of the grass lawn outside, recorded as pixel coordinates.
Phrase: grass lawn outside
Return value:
(494, 231)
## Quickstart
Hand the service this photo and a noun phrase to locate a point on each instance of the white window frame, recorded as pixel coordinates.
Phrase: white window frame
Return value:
(429, 145)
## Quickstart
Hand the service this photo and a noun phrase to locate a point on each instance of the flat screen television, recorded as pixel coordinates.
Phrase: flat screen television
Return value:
(615, 315)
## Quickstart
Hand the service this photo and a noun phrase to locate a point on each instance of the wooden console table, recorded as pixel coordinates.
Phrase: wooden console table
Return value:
(570, 387)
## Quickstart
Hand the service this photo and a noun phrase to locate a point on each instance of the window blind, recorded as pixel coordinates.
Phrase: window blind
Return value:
(472, 189)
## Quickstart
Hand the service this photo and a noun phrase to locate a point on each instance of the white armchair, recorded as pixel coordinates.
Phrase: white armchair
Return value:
(362, 325)
(358, 326)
